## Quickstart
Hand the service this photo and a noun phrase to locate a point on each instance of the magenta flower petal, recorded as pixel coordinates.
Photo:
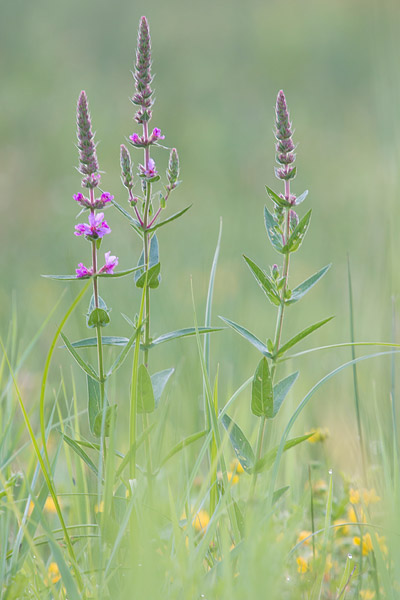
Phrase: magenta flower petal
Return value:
(111, 263)
(83, 271)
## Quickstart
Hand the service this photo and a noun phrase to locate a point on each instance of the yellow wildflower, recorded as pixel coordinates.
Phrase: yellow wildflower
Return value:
(320, 486)
(318, 435)
(367, 594)
(354, 496)
(233, 476)
(356, 517)
(236, 467)
(370, 497)
(230, 475)
(302, 564)
(303, 535)
(382, 544)
(99, 508)
(366, 543)
(201, 520)
(344, 529)
(53, 572)
(49, 505)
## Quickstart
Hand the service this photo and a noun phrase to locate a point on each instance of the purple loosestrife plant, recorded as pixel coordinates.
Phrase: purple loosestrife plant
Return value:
(145, 223)
(94, 231)
(286, 232)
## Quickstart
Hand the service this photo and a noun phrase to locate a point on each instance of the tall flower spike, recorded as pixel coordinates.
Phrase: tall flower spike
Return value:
(126, 168)
(284, 145)
(142, 73)
(173, 170)
(88, 164)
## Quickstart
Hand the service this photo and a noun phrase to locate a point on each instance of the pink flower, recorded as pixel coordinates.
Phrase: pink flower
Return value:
(111, 263)
(91, 181)
(135, 139)
(150, 171)
(156, 134)
(97, 203)
(83, 271)
(96, 229)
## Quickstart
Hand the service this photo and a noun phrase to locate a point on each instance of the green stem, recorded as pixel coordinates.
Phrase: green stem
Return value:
(278, 335)
(146, 340)
(133, 398)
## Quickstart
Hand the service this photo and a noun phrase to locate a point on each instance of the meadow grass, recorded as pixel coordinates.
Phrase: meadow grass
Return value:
(94, 505)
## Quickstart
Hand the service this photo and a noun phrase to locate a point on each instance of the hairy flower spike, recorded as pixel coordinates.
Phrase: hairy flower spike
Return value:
(142, 75)
(87, 150)
(284, 145)
(126, 168)
(173, 170)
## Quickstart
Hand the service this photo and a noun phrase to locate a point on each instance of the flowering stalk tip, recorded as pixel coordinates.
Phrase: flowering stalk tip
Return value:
(284, 145)
(87, 149)
(142, 75)
(173, 170)
(126, 168)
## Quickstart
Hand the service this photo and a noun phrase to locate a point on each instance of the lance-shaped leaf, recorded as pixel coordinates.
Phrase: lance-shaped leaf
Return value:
(106, 340)
(67, 277)
(75, 278)
(122, 356)
(83, 365)
(279, 493)
(302, 289)
(134, 222)
(301, 198)
(272, 228)
(111, 412)
(81, 453)
(248, 336)
(262, 396)
(159, 381)
(153, 278)
(94, 401)
(181, 333)
(277, 199)
(119, 273)
(268, 460)
(265, 282)
(243, 450)
(183, 444)
(172, 218)
(296, 239)
(300, 336)
(145, 396)
(281, 390)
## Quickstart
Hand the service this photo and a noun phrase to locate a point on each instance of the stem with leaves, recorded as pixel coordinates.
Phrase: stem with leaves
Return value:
(286, 233)
(148, 276)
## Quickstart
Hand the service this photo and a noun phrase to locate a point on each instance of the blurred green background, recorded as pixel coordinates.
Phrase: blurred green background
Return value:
(218, 66)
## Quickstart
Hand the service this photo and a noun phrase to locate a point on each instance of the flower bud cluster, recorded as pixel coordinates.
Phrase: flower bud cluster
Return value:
(95, 203)
(173, 170)
(88, 165)
(284, 145)
(142, 75)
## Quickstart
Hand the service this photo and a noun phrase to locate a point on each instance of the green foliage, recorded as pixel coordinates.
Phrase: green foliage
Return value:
(262, 397)
(266, 283)
(243, 450)
(145, 400)
(296, 238)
